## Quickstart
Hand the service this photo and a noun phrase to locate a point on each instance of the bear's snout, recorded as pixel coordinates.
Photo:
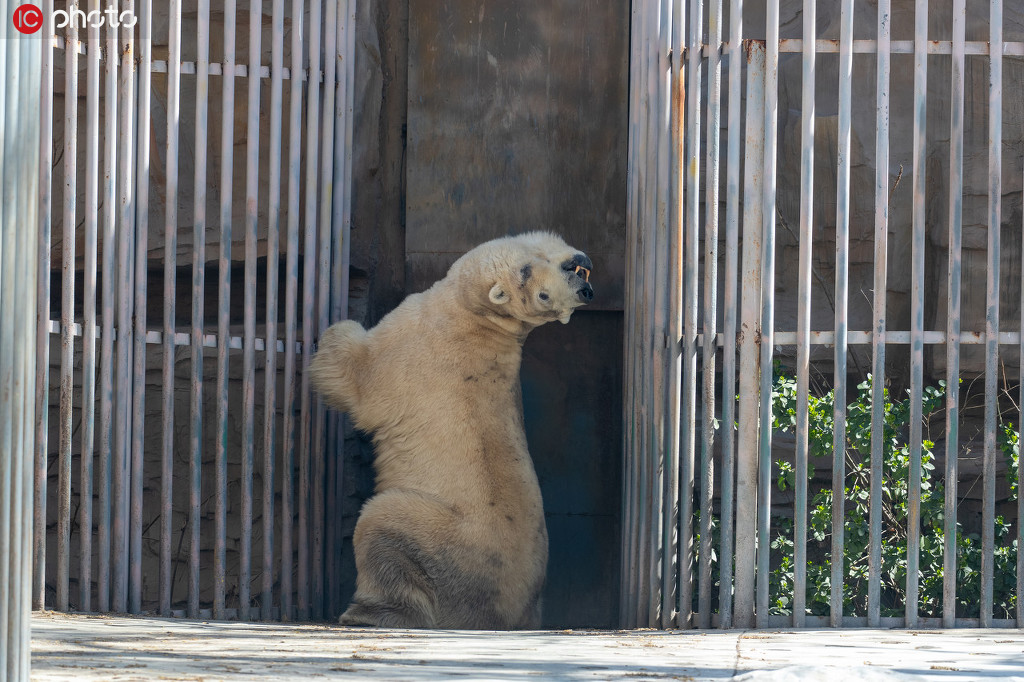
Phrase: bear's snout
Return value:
(586, 292)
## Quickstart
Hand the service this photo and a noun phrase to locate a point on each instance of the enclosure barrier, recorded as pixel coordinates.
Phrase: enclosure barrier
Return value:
(672, 313)
(116, 503)
(19, 224)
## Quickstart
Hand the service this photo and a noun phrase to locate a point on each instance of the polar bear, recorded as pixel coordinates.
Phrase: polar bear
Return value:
(454, 535)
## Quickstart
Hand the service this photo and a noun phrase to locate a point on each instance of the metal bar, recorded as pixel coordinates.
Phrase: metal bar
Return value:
(92, 172)
(749, 338)
(676, 96)
(731, 296)
(803, 345)
(145, 22)
(9, 611)
(879, 340)
(291, 296)
(198, 294)
(842, 298)
(319, 443)
(711, 189)
(106, 452)
(306, 565)
(170, 296)
(628, 583)
(953, 285)
(1020, 460)
(224, 311)
(689, 368)
(67, 341)
(771, 115)
(917, 311)
(125, 49)
(270, 369)
(656, 257)
(995, 160)
(43, 312)
(252, 167)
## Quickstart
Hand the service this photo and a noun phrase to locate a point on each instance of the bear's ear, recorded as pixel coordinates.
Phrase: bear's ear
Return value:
(498, 295)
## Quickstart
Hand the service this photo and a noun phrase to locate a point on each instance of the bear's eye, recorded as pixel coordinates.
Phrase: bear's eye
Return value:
(542, 296)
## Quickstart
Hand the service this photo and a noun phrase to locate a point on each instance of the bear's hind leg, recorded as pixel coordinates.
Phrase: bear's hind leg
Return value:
(393, 586)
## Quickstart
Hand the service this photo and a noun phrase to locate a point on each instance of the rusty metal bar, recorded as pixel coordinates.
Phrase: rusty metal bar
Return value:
(803, 346)
(290, 316)
(170, 296)
(879, 308)
(273, 247)
(995, 160)
(731, 302)
(67, 316)
(125, 49)
(145, 23)
(42, 385)
(771, 116)
(747, 458)
(106, 452)
(224, 311)
(198, 295)
(953, 288)
(842, 299)
(252, 133)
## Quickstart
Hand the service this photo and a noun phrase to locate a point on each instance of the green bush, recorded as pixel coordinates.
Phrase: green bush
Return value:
(895, 466)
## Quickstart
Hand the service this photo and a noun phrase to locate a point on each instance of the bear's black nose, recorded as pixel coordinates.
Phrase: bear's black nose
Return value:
(586, 292)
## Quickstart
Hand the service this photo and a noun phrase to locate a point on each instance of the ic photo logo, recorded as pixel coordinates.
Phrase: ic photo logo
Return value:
(28, 18)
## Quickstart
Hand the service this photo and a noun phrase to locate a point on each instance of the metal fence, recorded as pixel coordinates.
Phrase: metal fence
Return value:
(126, 540)
(696, 559)
(19, 182)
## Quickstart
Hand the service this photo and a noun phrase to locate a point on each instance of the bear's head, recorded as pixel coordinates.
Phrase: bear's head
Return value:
(534, 277)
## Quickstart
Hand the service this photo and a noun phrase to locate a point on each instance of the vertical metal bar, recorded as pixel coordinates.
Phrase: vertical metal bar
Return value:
(198, 295)
(749, 338)
(656, 258)
(273, 246)
(43, 312)
(224, 307)
(92, 172)
(170, 300)
(307, 466)
(110, 276)
(803, 317)
(8, 245)
(878, 325)
(125, 51)
(689, 369)
(1020, 460)
(674, 252)
(842, 307)
(917, 310)
(252, 168)
(995, 160)
(67, 314)
(145, 21)
(290, 313)
(731, 296)
(628, 583)
(711, 192)
(771, 115)
(320, 488)
(953, 283)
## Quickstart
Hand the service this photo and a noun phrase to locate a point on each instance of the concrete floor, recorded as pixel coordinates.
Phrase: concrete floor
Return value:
(83, 648)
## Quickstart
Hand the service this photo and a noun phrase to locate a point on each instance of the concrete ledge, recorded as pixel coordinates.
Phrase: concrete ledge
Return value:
(95, 647)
